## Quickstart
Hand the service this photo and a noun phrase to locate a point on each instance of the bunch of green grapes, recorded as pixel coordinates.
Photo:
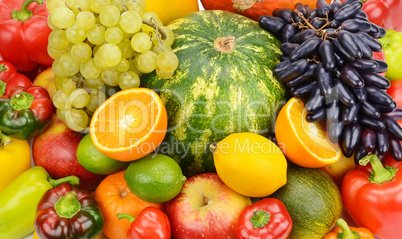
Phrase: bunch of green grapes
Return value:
(98, 44)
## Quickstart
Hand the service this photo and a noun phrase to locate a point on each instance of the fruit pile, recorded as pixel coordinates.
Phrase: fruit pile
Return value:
(213, 125)
(328, 61)
(98, 43)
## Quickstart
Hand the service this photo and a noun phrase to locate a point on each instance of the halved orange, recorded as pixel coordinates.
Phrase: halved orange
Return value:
(304, 143)
(129, 125)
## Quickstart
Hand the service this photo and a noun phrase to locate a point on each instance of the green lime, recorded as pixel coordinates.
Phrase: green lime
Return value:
(155, 178)
(94, 161)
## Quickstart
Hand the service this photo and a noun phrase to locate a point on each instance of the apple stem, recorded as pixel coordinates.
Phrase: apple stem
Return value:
(207, 201)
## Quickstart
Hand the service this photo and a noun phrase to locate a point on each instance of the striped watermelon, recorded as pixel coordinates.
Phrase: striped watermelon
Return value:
(224, 84)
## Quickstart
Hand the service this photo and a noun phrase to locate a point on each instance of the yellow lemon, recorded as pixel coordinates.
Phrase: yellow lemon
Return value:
(250, 164)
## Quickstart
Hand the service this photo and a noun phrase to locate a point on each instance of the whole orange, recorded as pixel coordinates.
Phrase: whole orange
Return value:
(114, 196)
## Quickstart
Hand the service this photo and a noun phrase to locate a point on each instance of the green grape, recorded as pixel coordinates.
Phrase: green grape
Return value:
(141, 42)
(130, 21)
(79, 98)
(98, 5)
(167, 61)
(95, 83)
(164, 75)
(62, 17)
(58, 40)
(159, 49)
(118, 4)
(75, 34)
(150, 31)
(81, 52)
(85, 20)
(61, 114)
(133, 66)
(108, 55)
(51, 5)
(68, 86)
(109, 16)
(96, 35)
(96, 98)
(50, 23)
(56, 68)
(89, 70)
(137, 5)
(68, 65)
(60, 100)
(123, 66)
(111, 76)
(147, 61)
(55, 53)
(128, 80)
(125, 48)
(81, 6)
(152, 17)
(76, 120)
(113, 35)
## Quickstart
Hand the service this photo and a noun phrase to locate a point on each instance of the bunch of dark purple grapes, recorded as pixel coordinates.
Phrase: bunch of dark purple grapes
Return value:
(328, 61)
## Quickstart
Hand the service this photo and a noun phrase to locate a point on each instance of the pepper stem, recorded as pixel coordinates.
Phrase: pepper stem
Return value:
(3, 67)
(125, 216)
(380, 174)
(346, 233)
(68, 206)
(4, 140)
(2, 87)
(73, 180)
(260, 218)
(21, 101)
(24, 14)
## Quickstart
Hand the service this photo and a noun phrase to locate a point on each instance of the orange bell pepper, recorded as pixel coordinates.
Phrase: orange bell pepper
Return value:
(343, 231)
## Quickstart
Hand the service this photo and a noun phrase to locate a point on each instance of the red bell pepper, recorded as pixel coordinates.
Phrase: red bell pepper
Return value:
(11, 79)
(384, 13)
(267, 218)
(26, 113)
(373, 196)
(24, 33)
(151, 222)
(67, 212)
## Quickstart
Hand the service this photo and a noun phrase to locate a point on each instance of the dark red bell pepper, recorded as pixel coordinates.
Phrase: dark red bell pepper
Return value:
(26, 112)
(267, 218)
(151, 222)
(11, 79)
(24, 33)
(68, 212)
(384, 13)
(373, 196)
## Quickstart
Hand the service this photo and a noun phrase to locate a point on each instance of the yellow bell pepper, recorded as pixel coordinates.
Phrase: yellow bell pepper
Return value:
(15, 158)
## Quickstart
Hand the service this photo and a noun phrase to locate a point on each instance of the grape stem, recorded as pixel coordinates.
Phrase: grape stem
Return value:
(153, 25)
(305, 20)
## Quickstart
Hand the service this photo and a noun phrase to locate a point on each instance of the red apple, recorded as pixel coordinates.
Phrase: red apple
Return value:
(46, 80)
(205, 208)
(55, 150)
(339, 169)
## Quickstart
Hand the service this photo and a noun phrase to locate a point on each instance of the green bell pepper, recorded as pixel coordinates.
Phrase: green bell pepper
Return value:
(392, 44)
(20, 198)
